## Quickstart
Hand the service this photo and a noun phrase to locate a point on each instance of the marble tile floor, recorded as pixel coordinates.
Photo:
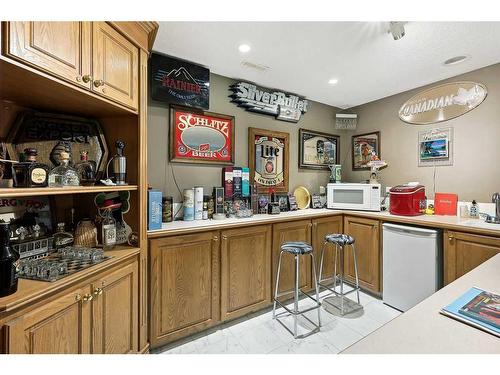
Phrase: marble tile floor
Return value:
(258, 333)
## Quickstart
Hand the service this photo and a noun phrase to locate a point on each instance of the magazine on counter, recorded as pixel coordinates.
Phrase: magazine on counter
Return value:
(477, 308)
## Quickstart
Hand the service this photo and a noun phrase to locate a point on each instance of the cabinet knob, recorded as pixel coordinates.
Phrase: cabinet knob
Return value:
(87, 297)
(78, 297)
(450, 237)
(216, 238)
(98, 83)
(97, 291)
(78, 78)
(87, 78)
(224, 238)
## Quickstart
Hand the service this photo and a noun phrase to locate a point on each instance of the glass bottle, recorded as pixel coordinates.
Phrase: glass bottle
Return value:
(86, 169)
(61, 237)
(108, 230)
(63, 175)
(9, 260)
(30, 173)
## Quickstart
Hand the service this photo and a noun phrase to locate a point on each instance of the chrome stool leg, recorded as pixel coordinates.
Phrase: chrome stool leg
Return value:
(341, 266)
(356, 270)
(335, 267)
(296, 296)
(321, 262)
(277, 285)
(316, 286)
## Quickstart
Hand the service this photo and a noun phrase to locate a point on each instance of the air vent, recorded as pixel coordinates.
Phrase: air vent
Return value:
(251, 65)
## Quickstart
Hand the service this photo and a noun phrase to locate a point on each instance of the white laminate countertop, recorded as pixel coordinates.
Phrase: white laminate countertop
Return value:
(424, 330)
(433, 221)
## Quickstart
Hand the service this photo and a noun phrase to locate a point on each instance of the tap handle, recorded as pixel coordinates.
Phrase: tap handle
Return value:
(120, 145)
(495, 198)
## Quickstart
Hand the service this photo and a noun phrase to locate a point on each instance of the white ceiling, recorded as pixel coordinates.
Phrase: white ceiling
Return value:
(303, 56)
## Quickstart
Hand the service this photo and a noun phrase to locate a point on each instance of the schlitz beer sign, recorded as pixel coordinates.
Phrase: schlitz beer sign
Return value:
(201, 137)
(268, 159)
(442, 103)
(178, 81)
(283, 106)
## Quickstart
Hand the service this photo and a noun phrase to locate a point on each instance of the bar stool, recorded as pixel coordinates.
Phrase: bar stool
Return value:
(297, 249)
(340, 241)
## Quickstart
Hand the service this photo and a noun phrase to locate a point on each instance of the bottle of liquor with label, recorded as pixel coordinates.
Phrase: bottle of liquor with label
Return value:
(86, 169)
(9, 259)
(63, 175)
(30, 173)
(108, 231)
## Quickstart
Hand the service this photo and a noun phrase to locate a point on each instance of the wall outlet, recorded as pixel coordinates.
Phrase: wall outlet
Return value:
(387, 189)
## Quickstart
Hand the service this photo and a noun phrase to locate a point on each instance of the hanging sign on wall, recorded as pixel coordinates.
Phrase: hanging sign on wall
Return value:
(178, 81)
(442, 103)
(284, 106)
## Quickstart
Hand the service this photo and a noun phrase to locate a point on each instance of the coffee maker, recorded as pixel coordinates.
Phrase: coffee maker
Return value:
(119, 164)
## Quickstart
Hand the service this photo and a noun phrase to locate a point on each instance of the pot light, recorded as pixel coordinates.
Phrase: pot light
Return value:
(456, 60)
(244, 48)
(333, 81)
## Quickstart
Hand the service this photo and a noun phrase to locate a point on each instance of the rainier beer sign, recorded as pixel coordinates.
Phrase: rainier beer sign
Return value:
(443, 102)
(283, 106)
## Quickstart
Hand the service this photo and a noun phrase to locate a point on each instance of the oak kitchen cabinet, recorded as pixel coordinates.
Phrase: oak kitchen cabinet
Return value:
(184, 286)
(85, 319)
(320, 228)
(366, 232)
(90, 55)
(464, 251)
(245, 270)
(291, 231)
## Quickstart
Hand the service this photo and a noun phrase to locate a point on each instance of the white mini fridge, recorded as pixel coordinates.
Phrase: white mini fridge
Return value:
(412, 264)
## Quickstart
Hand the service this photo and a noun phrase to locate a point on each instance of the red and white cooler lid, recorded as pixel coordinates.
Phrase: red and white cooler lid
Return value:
(406, 189)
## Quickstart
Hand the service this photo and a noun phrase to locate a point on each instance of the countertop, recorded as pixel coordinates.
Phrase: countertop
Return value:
(423, 329)
(433, 221)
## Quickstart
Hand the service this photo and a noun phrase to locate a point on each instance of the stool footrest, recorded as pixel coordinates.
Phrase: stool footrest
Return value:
(299, 312)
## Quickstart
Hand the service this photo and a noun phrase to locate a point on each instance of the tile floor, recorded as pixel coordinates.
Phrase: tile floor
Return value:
(258, 333)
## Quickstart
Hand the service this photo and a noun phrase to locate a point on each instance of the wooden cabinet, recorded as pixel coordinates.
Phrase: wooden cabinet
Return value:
(366, 233)
(464, 252)
(291, 231)
(184, 286)
(62, 49)
(115, 312)
(245, 270)
(61, 326)
(321, 227)
(115, 65)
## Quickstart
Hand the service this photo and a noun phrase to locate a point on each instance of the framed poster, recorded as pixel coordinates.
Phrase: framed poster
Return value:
(435, 147)
(362, 147)
(178, 81)
(317, 149)
(201, 137)
(268, 159)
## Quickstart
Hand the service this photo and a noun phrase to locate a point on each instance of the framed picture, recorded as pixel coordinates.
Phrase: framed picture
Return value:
(201, 137)
(362, 147)
(435, 147)
(268, 159)
(283, 202)
(317, 149)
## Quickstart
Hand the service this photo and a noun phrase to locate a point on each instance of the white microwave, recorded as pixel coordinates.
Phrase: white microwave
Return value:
(346, 196)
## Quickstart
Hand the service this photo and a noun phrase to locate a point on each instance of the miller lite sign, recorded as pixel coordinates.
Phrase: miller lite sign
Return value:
(179, 81)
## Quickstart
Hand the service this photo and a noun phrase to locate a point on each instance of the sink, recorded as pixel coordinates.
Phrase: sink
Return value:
(478, 223)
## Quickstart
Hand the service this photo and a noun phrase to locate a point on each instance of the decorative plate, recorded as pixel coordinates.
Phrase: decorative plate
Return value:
(303, 197)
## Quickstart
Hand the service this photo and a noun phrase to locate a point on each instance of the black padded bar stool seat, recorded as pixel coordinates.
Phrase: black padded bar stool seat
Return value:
(339, 239)
(293, 247)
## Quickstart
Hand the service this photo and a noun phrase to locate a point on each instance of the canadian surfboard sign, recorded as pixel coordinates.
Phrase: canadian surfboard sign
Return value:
(442, 103)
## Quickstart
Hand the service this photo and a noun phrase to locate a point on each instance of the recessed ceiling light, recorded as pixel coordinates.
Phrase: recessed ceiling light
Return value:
(244, 48)
(456, 60)
(333, 81)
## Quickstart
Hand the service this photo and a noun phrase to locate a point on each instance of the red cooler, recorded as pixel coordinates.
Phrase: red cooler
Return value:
(407, 200)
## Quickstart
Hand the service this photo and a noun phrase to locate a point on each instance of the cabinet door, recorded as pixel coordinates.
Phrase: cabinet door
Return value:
(59, 48)
(185, 285)
(291, 231)
(321, 227)
(367, 237)
(245, 270)
(464, 252)
(115, 65)
(61, 326)
(114, 312)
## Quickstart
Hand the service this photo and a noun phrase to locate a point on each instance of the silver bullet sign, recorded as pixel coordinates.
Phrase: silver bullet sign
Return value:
(442, 103)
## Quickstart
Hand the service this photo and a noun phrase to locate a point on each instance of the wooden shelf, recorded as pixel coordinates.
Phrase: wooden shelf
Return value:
(26, 192)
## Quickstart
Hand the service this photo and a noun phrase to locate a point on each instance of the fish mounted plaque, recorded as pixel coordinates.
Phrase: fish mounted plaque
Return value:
(442, 103)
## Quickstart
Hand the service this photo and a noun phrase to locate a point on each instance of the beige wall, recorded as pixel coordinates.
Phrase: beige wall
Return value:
(319, 117)
(476, 170)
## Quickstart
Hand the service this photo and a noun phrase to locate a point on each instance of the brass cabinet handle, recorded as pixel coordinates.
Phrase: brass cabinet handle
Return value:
(216, 238)
(78, 78)
(450, 237)
(97, 291)
(78, 297)
(224, 238)
(87, 297)
(87, 78)
(98, 82)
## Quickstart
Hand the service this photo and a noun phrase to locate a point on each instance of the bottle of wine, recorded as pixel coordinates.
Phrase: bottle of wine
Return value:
(9, 260)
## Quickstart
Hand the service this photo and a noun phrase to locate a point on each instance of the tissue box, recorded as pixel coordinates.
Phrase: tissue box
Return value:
(154, 209)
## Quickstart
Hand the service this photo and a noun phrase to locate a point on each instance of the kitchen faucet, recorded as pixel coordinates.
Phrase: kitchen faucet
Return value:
(495, 199)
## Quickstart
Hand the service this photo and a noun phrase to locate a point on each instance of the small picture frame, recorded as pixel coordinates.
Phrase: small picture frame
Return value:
(362, 147)
(318, 150)
(435, 147)
(283, 202)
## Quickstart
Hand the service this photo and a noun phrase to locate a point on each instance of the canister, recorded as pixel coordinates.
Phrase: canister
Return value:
(167, 213)
(198, 202)
(188, 204)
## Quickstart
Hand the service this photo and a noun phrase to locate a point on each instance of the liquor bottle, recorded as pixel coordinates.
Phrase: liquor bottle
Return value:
(108, 231)
(86, 169)
(63, 175)
(61, 237)
(9, 259)
(30, 173)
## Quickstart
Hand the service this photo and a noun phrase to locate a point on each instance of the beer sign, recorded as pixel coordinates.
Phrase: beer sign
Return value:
(201, 137)
(442, 103)
(268, 159)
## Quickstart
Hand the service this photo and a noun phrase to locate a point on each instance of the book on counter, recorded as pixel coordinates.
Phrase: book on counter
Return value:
(478, 308)
(227, 182)
(237, 179)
